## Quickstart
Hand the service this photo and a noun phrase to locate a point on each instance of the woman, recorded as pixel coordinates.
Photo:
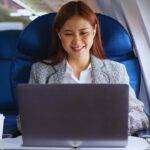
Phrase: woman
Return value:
(79, 58)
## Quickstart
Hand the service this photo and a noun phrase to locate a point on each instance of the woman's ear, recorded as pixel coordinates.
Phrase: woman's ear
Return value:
(94, 30)
(59, 35)
(58, 32)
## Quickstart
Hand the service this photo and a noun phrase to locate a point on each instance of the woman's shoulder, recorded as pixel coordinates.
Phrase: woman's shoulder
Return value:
(108, 63)
(113, 66)
(116, 71)
(45, 64)
(112, 63)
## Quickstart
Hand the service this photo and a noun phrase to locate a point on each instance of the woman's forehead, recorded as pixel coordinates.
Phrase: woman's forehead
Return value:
(76, 22)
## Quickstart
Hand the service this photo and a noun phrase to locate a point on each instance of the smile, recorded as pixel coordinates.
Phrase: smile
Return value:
(77, 49)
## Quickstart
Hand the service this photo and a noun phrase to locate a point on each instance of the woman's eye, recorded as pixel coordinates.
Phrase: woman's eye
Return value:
(84, 33)
(68, 34)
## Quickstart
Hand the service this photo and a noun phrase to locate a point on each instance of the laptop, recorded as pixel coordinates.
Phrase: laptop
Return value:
(74, 115)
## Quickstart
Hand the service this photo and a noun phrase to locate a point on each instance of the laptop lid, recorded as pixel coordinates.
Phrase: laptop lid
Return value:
(74, 115)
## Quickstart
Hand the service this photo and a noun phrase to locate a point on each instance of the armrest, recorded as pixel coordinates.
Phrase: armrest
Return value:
(143, 133)
(7, 136)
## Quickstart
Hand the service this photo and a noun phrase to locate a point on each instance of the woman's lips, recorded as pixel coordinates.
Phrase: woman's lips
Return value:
(77, 49)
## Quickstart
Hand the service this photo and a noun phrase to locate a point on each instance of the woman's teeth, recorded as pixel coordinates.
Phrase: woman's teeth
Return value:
(77, 48)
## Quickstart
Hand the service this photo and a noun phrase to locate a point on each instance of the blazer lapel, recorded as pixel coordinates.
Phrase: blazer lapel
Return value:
(99, 72)
(57, 75)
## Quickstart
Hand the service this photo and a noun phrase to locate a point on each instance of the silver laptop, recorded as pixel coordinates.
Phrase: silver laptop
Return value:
(74, 115)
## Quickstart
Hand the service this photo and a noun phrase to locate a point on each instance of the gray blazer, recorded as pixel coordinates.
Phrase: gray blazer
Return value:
(103, 71)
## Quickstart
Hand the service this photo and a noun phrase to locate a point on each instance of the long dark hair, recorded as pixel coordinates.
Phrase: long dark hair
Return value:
(66, 12)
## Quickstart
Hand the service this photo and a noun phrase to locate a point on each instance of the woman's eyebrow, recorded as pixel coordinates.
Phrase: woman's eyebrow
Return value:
(83, 29)
(67, 30)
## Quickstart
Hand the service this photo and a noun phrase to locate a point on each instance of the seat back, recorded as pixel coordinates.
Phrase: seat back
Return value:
(8, 107)
(8, 45)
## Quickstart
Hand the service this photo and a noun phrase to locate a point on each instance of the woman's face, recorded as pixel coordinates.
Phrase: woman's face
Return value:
(77, 36)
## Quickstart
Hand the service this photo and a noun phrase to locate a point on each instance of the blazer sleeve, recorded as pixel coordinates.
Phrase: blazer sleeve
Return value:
(32, 80)
(137, 120)
(18, 123)
(33, 74)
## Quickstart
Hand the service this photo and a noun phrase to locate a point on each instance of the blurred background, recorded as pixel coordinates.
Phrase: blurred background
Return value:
(21, 12)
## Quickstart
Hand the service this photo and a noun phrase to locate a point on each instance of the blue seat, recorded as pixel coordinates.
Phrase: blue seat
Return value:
(35, 44)
(8, 45)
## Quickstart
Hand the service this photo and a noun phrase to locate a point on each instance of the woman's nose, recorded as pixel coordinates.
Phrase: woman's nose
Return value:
(76, 39)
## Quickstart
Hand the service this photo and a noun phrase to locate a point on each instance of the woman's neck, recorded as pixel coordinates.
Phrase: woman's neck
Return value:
(79, 64)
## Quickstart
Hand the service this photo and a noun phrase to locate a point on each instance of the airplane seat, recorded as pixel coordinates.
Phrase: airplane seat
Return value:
(34, 44)
(8, 44)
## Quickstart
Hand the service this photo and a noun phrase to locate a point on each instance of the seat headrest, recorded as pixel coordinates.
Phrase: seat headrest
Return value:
(35, 40)
(116, 40)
